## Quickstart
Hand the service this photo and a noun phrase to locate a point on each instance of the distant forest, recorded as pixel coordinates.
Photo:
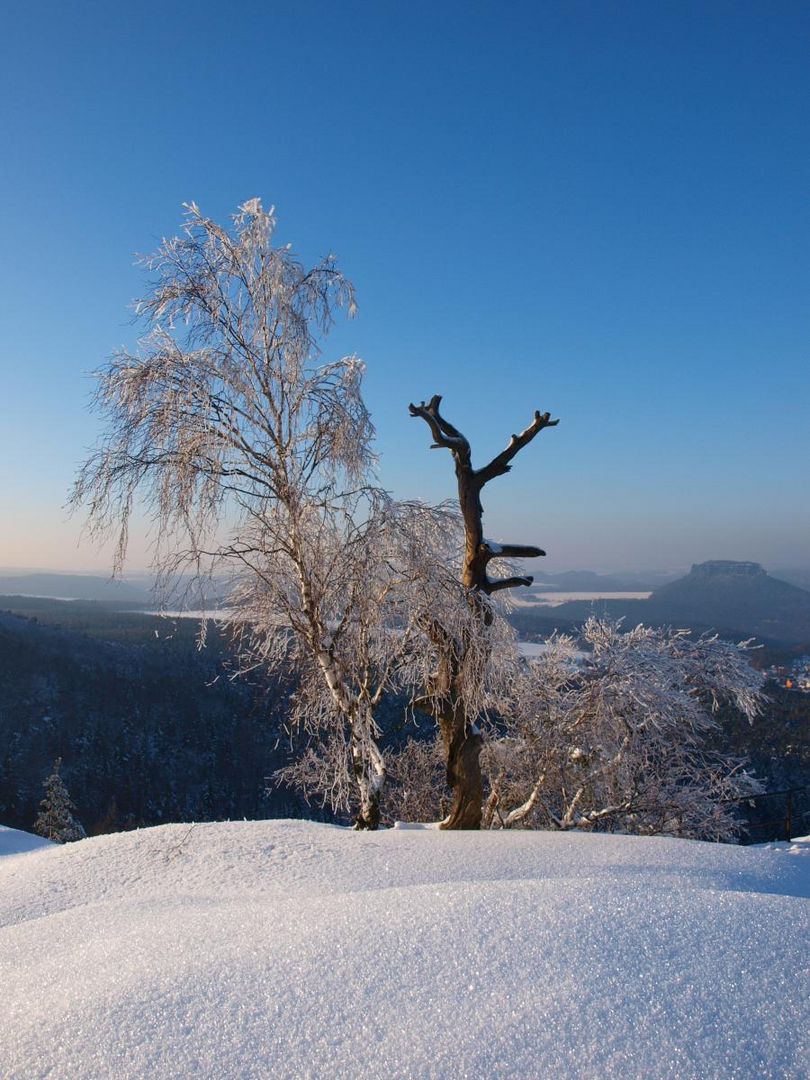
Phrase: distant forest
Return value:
(152, 729)
(149, 727)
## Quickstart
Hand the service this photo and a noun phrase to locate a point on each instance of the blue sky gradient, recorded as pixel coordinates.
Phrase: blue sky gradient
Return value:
(598, 209)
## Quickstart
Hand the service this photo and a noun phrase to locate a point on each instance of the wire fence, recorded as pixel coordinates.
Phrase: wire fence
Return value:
(789, 820)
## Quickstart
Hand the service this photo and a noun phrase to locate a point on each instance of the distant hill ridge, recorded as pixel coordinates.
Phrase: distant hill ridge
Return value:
(590, 581)
(734, 598)
(724, 576)
(96, 588)
(72, 587)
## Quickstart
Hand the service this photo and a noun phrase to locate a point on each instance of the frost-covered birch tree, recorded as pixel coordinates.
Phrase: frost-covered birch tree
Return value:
(254, 458)
(369, 581)
(614, 733)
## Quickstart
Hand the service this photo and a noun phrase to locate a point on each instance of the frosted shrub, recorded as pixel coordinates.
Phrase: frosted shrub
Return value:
(621, 742)
(417, 789)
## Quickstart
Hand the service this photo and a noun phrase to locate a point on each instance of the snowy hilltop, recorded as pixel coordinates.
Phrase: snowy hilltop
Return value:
(293, 949)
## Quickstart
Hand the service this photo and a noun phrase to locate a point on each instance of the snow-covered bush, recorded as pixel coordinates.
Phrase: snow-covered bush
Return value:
(621, 741)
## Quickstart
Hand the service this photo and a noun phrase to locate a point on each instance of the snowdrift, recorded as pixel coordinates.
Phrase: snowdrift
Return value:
(292, 949)
(14, 842)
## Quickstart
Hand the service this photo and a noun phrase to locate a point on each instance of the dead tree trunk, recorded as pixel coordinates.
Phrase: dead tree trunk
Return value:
(445, 700)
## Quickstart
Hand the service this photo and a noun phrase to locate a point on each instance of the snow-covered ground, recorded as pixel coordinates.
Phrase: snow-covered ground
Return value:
(292, 949)
(14, 842)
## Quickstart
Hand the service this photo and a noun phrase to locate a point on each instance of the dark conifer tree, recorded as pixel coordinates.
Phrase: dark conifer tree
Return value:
(56, 819)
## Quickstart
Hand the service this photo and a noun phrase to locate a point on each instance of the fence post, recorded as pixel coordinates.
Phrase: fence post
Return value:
(789, 815)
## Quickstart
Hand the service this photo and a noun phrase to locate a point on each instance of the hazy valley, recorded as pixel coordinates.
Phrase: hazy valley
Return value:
(152, 729)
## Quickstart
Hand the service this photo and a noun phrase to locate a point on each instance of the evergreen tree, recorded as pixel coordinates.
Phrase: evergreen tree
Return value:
(56, 819)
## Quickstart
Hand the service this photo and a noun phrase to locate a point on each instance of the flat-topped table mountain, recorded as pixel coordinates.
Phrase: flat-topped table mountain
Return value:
(735, 598)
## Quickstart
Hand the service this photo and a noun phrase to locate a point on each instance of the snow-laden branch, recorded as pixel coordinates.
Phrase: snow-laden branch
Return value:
(622, 739)
(444, 433)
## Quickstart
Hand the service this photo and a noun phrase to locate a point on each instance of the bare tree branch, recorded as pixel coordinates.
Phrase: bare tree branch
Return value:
(444, 434)
(508, 583)
(501, 463)
(478, 551)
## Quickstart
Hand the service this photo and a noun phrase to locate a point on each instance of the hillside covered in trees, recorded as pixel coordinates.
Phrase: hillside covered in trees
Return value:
(148, 727)
(151, 729)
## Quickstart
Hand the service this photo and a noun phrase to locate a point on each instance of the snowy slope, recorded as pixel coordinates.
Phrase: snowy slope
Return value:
(14, 842)
(291, 949)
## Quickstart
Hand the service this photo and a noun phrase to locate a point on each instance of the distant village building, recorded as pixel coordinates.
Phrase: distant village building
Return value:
(793, 676)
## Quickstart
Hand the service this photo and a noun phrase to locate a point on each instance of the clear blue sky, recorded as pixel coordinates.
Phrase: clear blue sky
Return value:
(598, 209)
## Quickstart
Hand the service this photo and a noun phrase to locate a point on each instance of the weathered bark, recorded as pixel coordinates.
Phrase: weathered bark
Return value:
(462, 744)
(460, 733)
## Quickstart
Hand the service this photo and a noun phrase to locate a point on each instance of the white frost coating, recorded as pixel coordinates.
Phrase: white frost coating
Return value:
(641, 709)
(291, 949)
